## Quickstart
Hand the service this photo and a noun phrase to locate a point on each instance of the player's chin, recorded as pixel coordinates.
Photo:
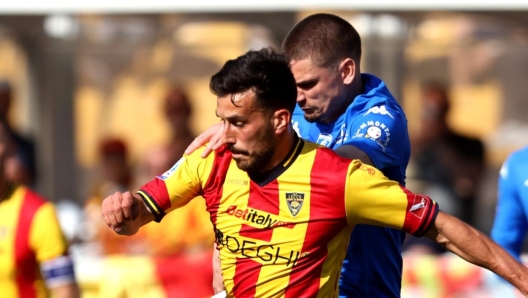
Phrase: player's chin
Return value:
(312, 117)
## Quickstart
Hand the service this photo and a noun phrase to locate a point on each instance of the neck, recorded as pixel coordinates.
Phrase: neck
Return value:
(4, 188)
(350, 92)
(283, 145)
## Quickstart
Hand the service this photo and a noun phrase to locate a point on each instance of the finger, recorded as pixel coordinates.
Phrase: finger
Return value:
(200, 140)
(208, 149)
(105, 209)
(118, 209)
(126, 204)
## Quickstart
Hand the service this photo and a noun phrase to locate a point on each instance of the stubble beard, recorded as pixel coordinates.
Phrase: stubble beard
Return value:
(259, 159)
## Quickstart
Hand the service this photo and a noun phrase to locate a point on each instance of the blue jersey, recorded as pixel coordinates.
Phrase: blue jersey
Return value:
(375, 123)
(511, 222)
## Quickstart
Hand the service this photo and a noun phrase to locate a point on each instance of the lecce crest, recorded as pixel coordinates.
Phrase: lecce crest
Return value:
(295, 201)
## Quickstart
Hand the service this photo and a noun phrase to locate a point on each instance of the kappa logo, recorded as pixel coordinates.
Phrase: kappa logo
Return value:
(382, 110)
(418, 206)
(295, 201)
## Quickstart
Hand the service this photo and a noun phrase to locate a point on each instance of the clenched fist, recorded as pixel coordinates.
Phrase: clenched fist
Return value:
(121, 212)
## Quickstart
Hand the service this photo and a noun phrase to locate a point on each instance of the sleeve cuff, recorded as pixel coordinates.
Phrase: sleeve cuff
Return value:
(151, 204)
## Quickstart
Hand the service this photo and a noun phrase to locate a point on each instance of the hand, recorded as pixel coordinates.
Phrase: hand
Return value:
(213, 135)
(121, 211)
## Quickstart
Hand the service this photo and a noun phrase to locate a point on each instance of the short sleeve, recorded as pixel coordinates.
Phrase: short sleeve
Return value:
(177, 186)
(380, 132)
(46, 237)
(371, 198)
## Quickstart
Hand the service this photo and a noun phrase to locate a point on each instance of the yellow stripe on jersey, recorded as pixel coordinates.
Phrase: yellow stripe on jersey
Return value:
(289, 160)
(371, 198)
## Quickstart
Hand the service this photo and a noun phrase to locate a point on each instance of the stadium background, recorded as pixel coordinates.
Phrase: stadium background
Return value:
(83, 72)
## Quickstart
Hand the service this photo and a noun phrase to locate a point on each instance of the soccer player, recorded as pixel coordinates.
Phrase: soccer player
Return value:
(283, 208)
(510, 225)
(354, 113)
(33, 250)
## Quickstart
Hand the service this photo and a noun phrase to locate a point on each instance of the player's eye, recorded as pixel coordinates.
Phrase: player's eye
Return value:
(307, 85)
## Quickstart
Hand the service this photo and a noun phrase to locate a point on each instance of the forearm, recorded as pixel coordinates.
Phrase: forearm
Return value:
(477, 248)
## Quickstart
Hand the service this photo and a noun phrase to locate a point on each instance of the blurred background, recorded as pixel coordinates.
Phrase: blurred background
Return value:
(107, 95)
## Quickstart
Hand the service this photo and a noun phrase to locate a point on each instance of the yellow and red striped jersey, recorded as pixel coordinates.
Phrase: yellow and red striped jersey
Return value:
(30, 238)
(284, 233)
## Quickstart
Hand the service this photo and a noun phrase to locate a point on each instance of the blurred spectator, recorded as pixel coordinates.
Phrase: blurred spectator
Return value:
(178, 112)
(21, 166)
(115, 176)
(33, 249)
(177, 252)
(446, 163)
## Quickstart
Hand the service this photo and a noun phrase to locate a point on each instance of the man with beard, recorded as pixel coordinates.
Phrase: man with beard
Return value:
(355, 114)
(283, 208)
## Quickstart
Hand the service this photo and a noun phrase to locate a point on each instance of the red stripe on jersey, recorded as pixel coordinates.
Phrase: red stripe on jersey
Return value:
(247, 271)
(156, 188)
(256, 233)
(246, 277)
(25, 260)
(261, 199)
(214, 187)
(327, 201)
(266, 198)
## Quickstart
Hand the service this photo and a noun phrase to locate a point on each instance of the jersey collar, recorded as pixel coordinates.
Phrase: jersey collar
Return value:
(261, 179)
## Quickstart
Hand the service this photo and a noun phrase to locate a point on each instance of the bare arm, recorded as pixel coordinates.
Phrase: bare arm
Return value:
(349, 151)
(477, 248)
(213, 135)
(65, 291)
(125, 213)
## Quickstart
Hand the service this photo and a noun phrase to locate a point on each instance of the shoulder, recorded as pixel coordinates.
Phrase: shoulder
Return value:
(517, 158)
(376, 100)
(32, 200)
(514, 163)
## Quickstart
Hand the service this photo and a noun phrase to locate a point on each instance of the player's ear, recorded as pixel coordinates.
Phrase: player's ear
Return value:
(281, 120)
(347, 68)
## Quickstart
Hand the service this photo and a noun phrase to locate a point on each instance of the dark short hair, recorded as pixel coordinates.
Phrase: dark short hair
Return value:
(324, 39)
(265, 72)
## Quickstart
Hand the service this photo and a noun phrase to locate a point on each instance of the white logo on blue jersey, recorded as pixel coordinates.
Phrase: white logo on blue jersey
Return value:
(376, 131)
(526, 183)
(382, 110)
(167, 174)
(343, 135)
(296, 128)
(504, 171)
(324, 139)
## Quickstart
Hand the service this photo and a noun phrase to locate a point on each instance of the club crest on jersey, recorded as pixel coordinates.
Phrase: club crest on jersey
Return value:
(167, 174)
(295, 201)
(375, 131)
(324, 139)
